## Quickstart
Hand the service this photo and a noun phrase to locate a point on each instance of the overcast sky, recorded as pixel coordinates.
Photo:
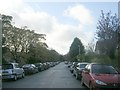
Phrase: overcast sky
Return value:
(60, 21)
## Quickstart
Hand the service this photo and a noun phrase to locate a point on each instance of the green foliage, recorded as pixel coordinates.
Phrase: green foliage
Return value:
(102, 59)
(117, 57)
(108, 32)
(24, 44)
(90, 54)
(76, 48)
(108, 45)
(81, 57)
(61, 58)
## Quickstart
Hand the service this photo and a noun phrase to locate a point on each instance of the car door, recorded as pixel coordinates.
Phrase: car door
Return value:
(17, 69)
(20, 69)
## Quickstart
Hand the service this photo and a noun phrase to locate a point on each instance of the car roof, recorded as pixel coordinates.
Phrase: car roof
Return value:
(83, 63)
(100, 64)
(9, 63)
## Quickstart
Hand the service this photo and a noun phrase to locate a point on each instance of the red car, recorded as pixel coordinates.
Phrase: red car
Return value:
(100, 76)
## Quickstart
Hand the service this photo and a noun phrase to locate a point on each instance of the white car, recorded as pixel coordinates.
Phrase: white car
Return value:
(12, 71)
(78, 69)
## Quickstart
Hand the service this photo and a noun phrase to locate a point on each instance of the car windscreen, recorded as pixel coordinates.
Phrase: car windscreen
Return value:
(7, 66)
(103, 69)
(82, 65)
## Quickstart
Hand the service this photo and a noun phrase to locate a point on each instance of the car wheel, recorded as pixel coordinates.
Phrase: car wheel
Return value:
(23, 75)
(76, 76)
(73, 73)
(82, 82)
(15, 78)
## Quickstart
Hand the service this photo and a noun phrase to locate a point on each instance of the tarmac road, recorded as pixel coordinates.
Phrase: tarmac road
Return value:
(58, 76)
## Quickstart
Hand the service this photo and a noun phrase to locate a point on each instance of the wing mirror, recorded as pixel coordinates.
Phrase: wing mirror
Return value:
(86, 71)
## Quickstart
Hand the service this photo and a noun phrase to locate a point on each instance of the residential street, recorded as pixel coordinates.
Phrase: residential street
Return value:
(55, 77)
(59, 45)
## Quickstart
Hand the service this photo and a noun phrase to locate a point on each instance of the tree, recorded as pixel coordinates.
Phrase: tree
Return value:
(6, 27)
(18, 40)
(90, 52)
(61, 58)
(108, 33)
(23, 45)
(54, 55)
(76, 48)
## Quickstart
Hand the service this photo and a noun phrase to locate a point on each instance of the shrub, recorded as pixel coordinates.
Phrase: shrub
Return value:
(102, 59)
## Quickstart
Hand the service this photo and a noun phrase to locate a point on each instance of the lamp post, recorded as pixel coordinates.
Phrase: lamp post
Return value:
(79, 52)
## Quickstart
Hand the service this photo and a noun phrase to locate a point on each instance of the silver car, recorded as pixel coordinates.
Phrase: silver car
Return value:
(78, 69)
(12, 71)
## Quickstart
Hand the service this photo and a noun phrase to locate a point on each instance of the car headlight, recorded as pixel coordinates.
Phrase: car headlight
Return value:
(100, 82)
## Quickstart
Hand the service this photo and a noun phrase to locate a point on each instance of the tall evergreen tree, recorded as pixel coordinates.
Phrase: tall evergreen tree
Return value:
(76, 48)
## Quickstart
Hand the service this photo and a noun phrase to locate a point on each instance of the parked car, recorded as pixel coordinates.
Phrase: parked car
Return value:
(12, 71)
(40, 66)
(30, 69)
(48, 64)
(44, 66)
(66, 62)
(78, 69)
(52, 64)
(74, 64)
(97, 76)
(69, 64)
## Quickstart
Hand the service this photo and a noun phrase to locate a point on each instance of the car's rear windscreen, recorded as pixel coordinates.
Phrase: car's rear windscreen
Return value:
(7, 66)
